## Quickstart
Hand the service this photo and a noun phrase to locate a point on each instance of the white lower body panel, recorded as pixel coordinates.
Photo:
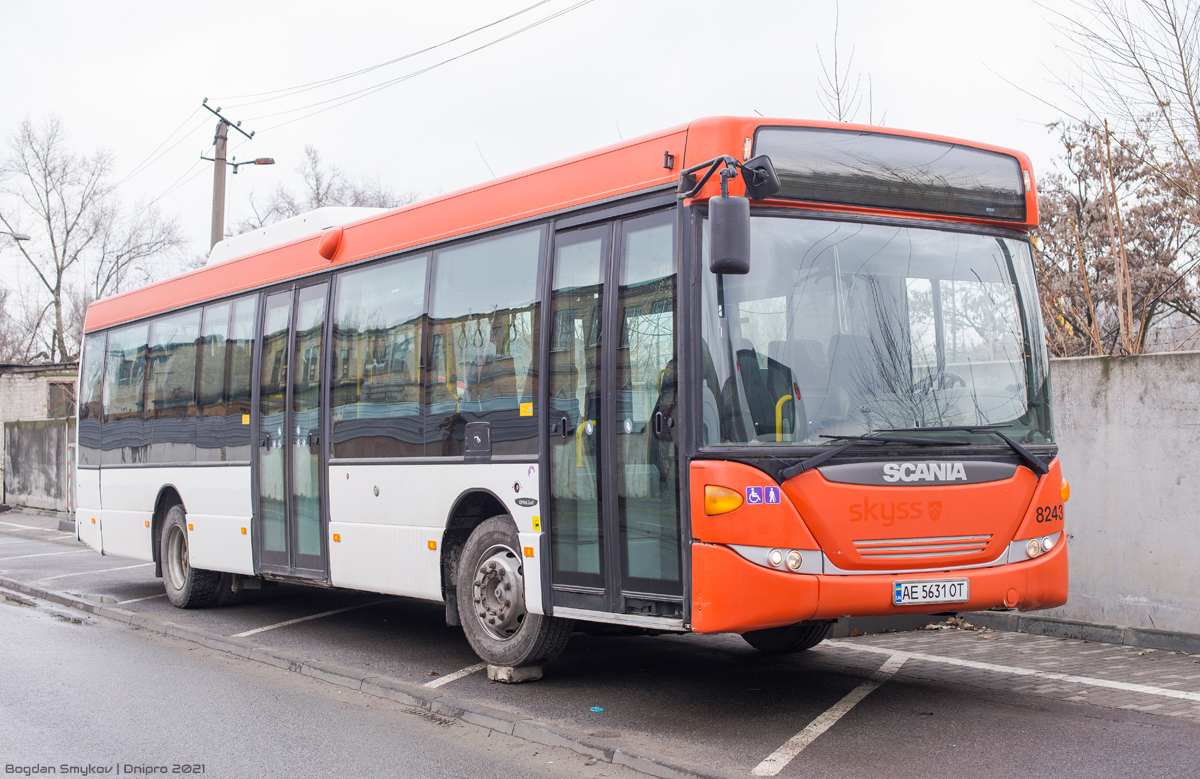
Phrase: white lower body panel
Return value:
(218, 504)
(385, 516)
(87, 509)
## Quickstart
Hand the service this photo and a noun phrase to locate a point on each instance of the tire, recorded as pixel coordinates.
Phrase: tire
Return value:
(790, 638)
(491, 601)
(187, 587)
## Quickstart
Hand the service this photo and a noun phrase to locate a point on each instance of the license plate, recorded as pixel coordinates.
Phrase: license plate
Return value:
(931, 591)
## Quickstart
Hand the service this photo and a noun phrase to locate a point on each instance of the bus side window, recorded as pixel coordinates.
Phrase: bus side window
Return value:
(90, 392)
(210, 382)
(239, 356)
(171, 387)
(484, 324)
(376, 392)
(124, 431)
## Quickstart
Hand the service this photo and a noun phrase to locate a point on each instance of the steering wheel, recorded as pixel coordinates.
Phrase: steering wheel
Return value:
(940, 380)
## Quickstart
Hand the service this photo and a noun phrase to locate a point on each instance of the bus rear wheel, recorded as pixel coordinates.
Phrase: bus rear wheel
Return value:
(187, 587)
(790, 638)
(491, 601)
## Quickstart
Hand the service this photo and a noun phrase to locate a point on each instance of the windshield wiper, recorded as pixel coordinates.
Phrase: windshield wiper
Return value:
(1036, 465)
(854, 440)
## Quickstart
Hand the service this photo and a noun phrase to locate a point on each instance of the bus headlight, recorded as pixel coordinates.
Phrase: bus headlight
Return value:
(1033, 548)
(775, 558)
(794, 559)
(1047, 543)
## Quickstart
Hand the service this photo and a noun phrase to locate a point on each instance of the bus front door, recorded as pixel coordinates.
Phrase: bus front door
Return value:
(613, 514)
(290, 522)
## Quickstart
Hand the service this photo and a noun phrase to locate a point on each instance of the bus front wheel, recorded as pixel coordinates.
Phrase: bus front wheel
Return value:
(790, 638)
(491, 601)
(187, 587)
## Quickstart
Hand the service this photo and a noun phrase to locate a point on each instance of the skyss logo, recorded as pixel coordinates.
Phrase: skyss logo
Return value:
(890, 512)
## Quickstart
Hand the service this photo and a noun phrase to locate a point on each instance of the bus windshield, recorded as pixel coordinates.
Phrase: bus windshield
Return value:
(844, 329)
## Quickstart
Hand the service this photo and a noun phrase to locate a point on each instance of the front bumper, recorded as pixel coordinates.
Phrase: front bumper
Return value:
(732, 594)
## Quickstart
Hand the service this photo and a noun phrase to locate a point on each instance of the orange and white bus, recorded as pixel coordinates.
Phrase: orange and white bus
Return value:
(604, 391)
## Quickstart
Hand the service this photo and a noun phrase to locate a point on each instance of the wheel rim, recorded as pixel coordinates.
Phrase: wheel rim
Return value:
(498, 593)
(177, 557)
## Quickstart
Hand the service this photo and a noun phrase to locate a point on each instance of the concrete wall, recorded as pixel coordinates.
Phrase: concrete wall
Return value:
(25, 391)
(1129, 432)
(37, 463)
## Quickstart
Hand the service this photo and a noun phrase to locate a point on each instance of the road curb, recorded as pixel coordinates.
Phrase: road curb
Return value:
(1143, 638)
(405, 693)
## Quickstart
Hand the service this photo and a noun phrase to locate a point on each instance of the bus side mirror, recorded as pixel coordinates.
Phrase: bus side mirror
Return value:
(761, 180)
(729, 235)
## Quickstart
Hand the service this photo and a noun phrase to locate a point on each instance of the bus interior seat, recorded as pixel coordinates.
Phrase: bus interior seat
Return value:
(806, 359)
(764, 389)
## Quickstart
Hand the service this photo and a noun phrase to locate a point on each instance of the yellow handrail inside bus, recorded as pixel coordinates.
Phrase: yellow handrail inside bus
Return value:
(779, 416)
(579, 443)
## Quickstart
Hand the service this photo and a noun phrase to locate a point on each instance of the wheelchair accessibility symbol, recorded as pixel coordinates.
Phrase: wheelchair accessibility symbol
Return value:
(757, 496)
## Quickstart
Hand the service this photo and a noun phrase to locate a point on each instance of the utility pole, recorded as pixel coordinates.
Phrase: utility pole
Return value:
(221, 141)
(218, 214)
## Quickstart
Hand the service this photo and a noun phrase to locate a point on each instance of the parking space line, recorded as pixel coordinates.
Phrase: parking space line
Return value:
(85, 573)
(305, 619)
(778, 759)
(139, 600)
(22, 541)
(1089, 681)
(470, 669)
(30, 527)
(44, 554)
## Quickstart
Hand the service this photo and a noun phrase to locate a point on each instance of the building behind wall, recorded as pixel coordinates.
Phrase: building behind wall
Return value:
(34, 393)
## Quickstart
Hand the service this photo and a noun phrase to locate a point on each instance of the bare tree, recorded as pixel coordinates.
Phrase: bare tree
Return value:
(838, 90)
(1141, 64)
(324, 185)
(65, 201)
(12, 340)
(1105, 287)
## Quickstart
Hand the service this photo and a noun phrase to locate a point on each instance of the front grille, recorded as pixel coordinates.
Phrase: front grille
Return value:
(903, 548)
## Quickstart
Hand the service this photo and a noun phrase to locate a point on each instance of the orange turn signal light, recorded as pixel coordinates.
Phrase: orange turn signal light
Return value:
(1065, 490)
(243, 531)
(433, 545)
(721, 500)
(529, 551)
(337, 538)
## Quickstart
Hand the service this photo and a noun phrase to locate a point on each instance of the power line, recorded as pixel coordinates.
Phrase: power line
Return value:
(172, 188)
(147, 162)
(325, 105)
(181, 181)
(294, 90)
(335, 102)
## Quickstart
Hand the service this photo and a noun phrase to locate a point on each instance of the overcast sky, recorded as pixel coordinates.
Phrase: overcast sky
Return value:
(130, 77)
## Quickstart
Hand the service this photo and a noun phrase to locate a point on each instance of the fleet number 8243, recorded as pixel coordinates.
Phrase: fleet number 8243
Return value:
(1050, 513)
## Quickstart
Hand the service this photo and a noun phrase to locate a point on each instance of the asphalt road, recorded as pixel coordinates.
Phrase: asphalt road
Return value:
(88, 692)
(942, 702)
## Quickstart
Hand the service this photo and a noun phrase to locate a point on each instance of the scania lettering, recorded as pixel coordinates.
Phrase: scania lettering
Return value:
(738, 376)
(924, 472)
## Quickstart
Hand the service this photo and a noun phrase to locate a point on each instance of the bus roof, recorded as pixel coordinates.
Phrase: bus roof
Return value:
(622, 169)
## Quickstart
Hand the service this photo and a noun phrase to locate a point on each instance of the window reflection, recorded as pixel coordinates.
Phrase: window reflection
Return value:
(377, 360)
(483, 344)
